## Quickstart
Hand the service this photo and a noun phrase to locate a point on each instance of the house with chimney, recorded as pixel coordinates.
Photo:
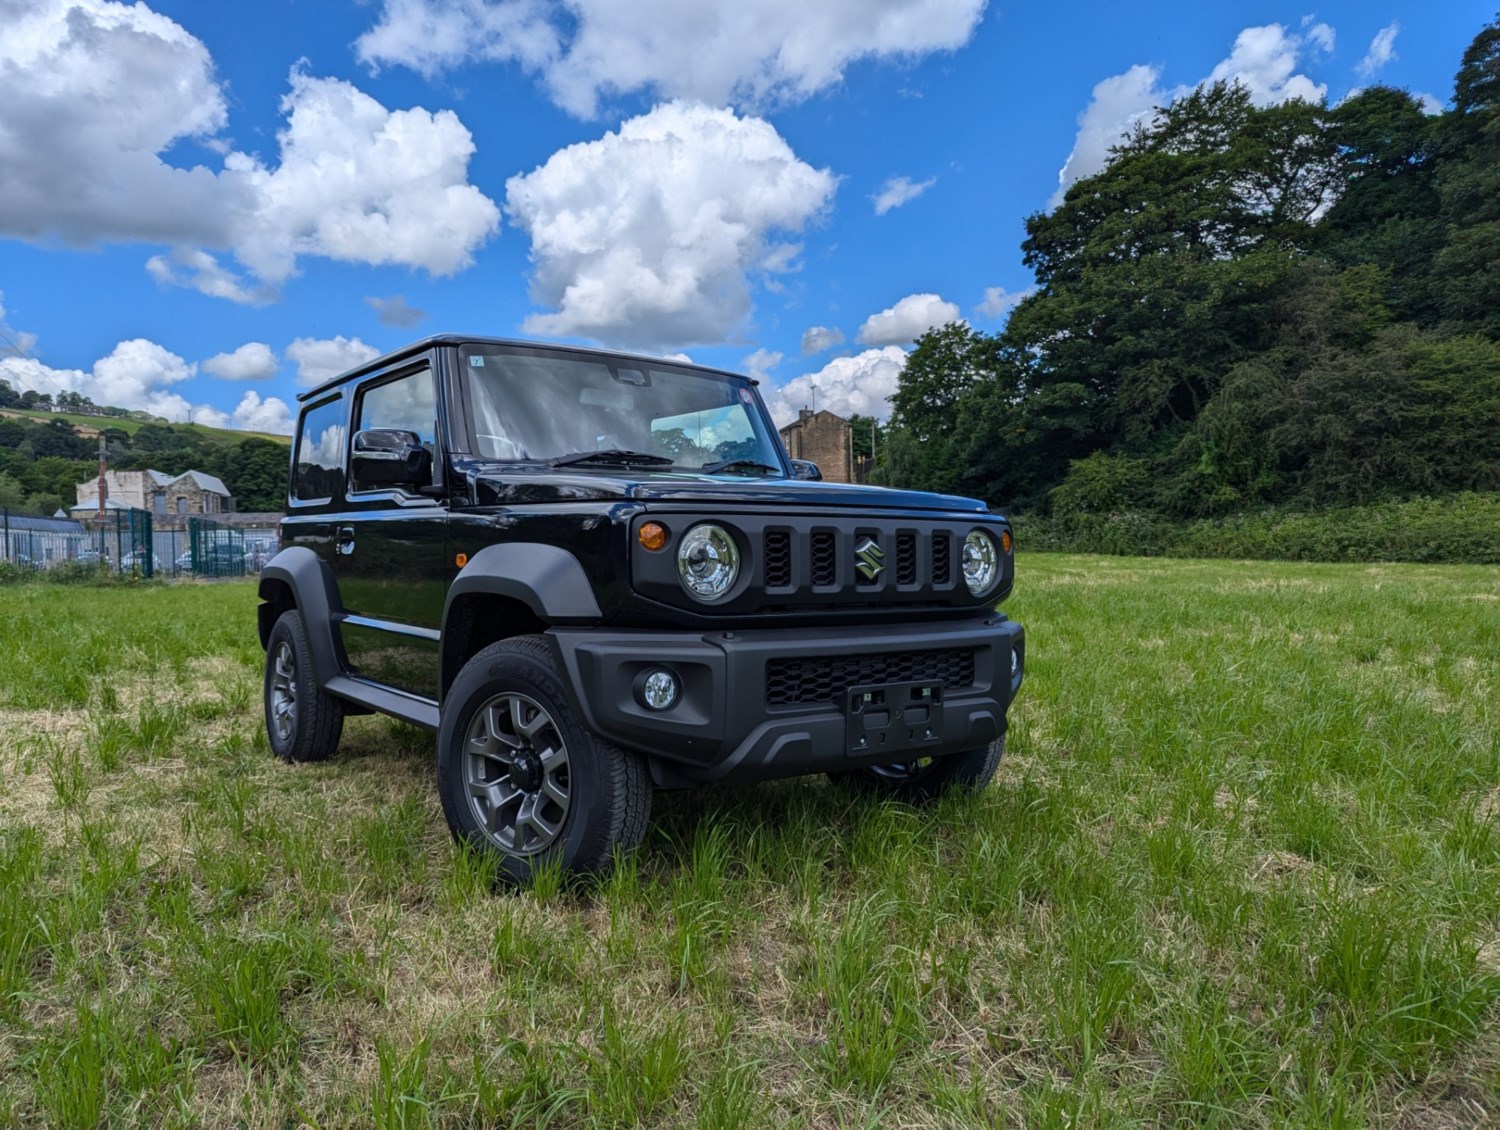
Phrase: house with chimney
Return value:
(171, 499)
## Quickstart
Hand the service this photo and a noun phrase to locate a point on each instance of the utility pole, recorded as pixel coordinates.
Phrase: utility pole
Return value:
(103, 485)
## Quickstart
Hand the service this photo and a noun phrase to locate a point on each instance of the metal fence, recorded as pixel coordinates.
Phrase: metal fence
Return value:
(127, 542)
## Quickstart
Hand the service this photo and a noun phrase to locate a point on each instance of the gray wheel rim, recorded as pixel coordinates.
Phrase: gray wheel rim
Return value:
(283, 692)
(516, 773)
(904, 771)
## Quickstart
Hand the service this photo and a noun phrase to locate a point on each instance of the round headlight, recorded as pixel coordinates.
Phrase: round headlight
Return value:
(981, 562)
(707, 562)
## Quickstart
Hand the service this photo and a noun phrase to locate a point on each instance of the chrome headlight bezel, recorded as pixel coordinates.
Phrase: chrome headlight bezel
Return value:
(708, 562)
(980, 563)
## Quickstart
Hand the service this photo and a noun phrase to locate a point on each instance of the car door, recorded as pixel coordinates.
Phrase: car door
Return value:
(389, 545)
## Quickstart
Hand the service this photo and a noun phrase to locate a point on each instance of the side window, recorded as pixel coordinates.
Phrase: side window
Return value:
(319, 473)
(406, 404)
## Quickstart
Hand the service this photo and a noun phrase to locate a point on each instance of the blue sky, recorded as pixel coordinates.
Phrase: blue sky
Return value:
(205, 207)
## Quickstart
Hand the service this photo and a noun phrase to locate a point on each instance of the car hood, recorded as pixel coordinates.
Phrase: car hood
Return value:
(503, 484)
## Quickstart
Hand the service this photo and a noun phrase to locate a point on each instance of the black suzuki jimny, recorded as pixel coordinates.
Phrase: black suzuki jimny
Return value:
(595, 575)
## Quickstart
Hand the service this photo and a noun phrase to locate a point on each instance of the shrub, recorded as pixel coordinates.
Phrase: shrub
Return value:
(1456, 529)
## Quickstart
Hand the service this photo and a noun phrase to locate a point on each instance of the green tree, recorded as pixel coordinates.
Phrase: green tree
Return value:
(1465, 278)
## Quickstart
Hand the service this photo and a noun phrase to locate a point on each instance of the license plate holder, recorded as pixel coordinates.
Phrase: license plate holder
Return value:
(894, 718)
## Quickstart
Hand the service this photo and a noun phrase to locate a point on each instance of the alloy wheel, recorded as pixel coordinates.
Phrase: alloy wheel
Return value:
(516, 773)
(284, 691)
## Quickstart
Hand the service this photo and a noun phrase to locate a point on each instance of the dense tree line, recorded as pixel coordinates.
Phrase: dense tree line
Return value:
(1294, 304)
(42, 461)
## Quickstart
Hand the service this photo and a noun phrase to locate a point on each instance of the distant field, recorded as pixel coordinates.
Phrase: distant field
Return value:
(1241, 867)
(97, 423)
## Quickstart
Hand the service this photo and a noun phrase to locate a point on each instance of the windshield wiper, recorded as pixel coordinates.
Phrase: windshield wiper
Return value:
(611, 457)
(739, 465)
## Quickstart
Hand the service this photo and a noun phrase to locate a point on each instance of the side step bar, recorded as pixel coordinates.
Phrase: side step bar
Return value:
(411, 708)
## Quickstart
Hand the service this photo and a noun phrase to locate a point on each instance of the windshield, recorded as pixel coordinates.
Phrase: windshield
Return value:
(539, 406)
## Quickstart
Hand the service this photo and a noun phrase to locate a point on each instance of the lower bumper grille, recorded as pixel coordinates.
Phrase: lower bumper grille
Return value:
(798, 682)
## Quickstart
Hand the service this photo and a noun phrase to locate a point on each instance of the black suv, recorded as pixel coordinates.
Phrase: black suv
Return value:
(594, 574)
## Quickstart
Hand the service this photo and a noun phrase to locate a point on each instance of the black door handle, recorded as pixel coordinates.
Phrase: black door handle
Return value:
(345, 541)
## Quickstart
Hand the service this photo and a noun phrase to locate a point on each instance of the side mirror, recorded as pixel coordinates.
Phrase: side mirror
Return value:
(387, 458)
(806, 469)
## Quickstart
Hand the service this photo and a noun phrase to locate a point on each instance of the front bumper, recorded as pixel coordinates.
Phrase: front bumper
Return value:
(739, 718)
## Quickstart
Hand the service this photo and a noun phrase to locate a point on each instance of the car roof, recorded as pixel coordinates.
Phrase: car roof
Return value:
(387, 359)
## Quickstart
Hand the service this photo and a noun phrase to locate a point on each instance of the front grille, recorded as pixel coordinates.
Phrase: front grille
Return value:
(824, 559)
(906, 559)
(798, 682)
(941, 560)
(778, 559)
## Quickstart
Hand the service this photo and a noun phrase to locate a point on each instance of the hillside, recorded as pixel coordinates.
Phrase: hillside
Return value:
(90, 426)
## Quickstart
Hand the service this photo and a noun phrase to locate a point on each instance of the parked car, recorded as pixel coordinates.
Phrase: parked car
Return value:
(593, 576)
(137, 562)
(184, 562)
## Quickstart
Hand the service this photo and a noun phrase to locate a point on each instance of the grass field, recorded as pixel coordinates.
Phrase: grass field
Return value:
(1241, 867)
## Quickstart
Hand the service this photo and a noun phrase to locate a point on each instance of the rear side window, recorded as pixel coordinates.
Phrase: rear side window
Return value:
(319, 474)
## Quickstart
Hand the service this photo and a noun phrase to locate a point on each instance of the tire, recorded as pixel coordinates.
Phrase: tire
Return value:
(924, 781)
(520, 776)
(302, 722)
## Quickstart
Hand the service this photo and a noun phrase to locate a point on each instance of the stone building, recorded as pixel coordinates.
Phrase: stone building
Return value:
(825, 439)
(188, 495)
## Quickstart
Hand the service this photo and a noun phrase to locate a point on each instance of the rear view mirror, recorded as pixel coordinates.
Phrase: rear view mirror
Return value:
(387, 458)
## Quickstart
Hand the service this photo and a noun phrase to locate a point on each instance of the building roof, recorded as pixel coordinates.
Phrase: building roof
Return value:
(202, 482)
(161, 478)
(38, 524)
(806, 414)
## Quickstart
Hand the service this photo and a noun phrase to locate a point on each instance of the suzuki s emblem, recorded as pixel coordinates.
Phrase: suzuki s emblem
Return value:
(871, 559)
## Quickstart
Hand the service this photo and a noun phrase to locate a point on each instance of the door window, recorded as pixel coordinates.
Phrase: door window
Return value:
(320, 453)
(407, 404)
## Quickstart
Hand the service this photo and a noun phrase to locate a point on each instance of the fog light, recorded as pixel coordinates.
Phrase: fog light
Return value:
(1015, 662)
(658, 690)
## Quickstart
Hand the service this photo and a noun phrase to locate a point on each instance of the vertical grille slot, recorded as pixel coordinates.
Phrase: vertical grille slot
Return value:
(906, 559)
(824, 560)
(778, 558)
(942, 559)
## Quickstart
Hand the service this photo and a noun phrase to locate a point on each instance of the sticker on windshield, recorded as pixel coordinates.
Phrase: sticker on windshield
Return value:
(476, 361)
(746, 396)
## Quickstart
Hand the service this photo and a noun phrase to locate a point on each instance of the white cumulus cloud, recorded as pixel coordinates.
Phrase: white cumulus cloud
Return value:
(104, 90)
(815, 339)
(751, 54)
(999, 302)
(897, 191)
(1264, 59)
(760, 363)
(862, 384)
(252, 361)
(318, 359)
(1382, 50)
(137, 374)
(13, 342)
(254, 414)
(908, 320)
(196, 269)
(647, 237)
(1320, 36)
(362, 184)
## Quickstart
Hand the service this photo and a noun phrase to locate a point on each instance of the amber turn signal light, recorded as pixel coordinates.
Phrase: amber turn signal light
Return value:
(1005, 540)
(460, 559)
(652, 536)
